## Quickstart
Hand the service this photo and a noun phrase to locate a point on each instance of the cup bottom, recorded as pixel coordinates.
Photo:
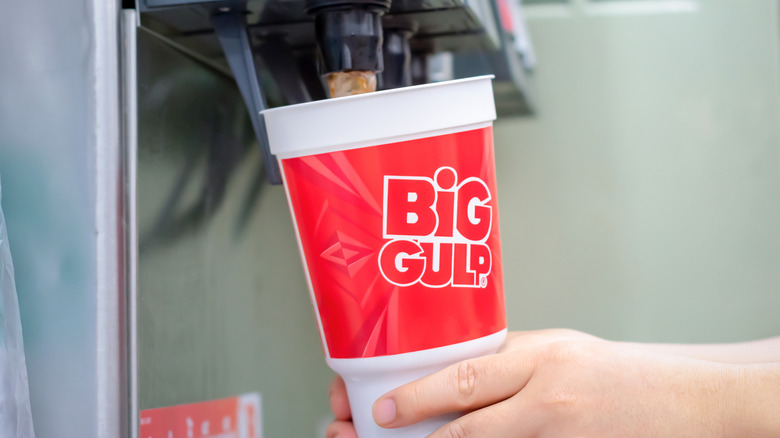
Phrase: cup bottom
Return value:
(369, 378)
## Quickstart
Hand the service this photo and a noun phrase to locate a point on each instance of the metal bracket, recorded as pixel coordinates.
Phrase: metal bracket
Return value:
(230, 26)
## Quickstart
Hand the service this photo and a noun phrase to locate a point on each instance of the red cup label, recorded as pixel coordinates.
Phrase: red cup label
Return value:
(401, 243)
(438, 228)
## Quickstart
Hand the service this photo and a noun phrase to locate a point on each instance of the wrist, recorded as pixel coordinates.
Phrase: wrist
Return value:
(752, 401)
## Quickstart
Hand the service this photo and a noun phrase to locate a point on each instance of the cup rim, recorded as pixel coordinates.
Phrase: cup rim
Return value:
(373, 118)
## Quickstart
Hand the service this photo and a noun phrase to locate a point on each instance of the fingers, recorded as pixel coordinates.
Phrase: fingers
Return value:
(339, 403)
(465, 386)
(507, 419)
(341, 429)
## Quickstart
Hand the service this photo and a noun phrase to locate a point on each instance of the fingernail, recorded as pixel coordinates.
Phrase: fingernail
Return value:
(384, 411)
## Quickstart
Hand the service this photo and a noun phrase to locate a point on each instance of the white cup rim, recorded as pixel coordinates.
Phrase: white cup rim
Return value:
(381, 117)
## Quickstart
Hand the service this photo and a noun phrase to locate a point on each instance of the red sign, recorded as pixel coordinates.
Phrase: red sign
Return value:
(236, 417)
(401, 242)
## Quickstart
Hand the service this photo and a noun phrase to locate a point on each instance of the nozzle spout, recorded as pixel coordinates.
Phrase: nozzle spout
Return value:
(349, 38)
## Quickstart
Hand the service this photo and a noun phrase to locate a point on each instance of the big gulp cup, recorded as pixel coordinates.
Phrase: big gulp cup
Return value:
(393, 196)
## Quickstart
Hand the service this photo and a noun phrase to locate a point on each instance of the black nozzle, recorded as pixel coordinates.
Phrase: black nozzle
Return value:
(349, 34)
(313, 6)
(419, 68)
(397, 56)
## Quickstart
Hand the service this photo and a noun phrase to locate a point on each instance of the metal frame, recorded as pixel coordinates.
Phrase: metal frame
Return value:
(231, 28)
(110, 247)
(129, 155)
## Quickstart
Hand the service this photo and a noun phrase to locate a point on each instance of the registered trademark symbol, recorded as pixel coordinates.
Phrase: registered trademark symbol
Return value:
(483, 281)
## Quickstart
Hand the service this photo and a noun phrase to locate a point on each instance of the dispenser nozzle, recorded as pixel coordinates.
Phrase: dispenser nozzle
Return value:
(349, 37)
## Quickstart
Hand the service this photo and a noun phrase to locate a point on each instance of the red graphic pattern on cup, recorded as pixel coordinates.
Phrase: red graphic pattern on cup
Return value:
(401, 243)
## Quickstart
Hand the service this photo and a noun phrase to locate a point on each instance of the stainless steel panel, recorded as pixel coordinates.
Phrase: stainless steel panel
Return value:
(59, 156)
(223, 307)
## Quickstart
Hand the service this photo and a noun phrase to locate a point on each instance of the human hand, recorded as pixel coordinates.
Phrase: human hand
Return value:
(561, 383)
(524, 339)
(342, 427)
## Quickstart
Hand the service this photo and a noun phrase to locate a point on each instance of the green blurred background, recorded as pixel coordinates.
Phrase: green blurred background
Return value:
(643, 201)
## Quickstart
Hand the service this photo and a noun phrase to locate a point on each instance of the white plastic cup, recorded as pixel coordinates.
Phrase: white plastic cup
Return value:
(393, 197)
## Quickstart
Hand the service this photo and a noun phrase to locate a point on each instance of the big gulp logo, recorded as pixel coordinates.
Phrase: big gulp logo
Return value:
(438, 228)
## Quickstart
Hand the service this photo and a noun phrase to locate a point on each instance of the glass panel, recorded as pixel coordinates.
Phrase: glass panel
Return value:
(223, 305)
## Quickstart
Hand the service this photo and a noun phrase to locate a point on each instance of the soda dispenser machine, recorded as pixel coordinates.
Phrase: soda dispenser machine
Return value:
(159, 276)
